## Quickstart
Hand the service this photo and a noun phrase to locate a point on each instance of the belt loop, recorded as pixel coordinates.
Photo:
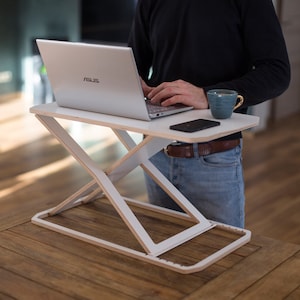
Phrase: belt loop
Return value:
(195, 150)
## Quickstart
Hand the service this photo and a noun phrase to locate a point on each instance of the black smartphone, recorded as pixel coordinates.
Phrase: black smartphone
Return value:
(195, 125)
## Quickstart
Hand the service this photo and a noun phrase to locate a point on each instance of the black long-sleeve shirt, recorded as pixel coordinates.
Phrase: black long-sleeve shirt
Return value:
(232, 44)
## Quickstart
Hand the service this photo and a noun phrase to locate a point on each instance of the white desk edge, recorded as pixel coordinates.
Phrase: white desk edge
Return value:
(158, 127)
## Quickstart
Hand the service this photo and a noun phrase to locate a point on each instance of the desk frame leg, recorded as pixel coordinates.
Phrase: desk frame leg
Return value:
(102, 183)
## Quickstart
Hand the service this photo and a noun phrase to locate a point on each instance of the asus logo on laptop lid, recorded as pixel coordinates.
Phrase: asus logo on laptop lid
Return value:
(89, 79)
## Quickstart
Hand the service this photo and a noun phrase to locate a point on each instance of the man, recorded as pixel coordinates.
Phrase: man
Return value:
(183, 48)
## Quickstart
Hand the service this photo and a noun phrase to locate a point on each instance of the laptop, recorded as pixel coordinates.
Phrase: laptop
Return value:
(98, 78)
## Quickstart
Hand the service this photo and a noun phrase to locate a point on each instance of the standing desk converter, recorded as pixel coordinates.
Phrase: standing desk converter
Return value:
(157, 136)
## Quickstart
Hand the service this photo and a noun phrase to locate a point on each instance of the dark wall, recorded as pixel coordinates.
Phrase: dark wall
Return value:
(9, 64)
(21, 21)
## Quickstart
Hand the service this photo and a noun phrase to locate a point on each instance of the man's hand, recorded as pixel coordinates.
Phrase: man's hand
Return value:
(179, 91)
(146, 88)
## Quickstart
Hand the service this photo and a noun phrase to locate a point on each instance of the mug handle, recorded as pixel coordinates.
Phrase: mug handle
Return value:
(240, 102)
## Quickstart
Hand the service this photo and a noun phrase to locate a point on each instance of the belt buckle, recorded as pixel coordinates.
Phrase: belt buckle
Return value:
(165, 149)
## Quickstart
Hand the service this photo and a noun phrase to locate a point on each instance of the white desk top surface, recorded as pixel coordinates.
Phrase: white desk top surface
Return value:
(158, 127)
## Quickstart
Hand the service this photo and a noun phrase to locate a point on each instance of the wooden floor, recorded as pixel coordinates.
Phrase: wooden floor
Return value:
(36, 173)
(272, 178)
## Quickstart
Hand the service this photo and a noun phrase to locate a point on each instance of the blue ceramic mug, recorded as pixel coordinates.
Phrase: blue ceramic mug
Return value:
(223, 102)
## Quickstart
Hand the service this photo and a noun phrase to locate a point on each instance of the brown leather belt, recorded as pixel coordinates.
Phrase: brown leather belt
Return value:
(187, 150)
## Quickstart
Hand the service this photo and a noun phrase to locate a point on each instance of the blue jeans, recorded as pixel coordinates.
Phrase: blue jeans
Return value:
(213, 183)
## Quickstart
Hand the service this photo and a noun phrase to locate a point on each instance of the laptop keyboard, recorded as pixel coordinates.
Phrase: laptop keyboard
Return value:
(156, 108)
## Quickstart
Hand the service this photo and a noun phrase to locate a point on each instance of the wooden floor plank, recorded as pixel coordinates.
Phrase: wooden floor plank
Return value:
(281, 281)
(14, 286)
(78, 268)
(73, 285)
(254, 268)
(294, 295)
(5, 297)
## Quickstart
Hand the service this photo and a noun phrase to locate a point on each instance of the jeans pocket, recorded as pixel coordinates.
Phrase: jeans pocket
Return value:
(227, 158)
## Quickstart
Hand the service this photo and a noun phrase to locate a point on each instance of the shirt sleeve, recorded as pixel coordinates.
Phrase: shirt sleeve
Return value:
(269, 74)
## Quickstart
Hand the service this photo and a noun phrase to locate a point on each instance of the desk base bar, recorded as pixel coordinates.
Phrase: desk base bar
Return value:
(245, 236)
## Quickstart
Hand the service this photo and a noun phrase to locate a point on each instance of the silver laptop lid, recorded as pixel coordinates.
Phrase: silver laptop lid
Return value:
(96, 78)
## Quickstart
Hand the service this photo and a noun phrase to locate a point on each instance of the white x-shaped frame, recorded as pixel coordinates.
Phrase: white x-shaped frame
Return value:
(103, 183)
